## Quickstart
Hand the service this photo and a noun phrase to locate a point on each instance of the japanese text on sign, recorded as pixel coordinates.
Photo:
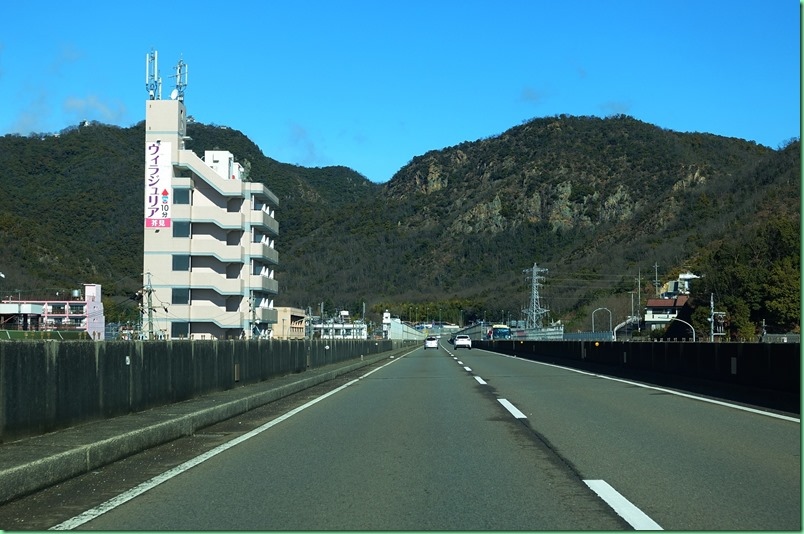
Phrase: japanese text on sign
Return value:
(158, 186)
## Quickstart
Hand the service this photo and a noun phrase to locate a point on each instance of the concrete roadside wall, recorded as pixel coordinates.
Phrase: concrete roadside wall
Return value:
(765, 373)
(48, 385)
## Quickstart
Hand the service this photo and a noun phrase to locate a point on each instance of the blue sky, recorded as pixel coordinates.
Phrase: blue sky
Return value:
(370, 84)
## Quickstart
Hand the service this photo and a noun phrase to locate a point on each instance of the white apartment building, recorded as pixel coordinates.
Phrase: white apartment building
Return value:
(209, 247)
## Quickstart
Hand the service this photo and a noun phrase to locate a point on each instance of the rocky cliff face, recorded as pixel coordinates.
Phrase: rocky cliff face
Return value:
(548, 172)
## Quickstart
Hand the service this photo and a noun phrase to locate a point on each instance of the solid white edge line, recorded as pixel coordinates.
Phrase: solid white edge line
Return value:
(136, 491)
(624, 508)
(480, 380)
(513, 409)
(664, 390)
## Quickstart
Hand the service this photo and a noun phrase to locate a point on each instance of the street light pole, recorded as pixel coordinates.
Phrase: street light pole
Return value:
(632, 303)
(593, 318)
(686, 323)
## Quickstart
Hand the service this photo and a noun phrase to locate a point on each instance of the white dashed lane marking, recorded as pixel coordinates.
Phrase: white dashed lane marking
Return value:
(624, 508)
(513, 409)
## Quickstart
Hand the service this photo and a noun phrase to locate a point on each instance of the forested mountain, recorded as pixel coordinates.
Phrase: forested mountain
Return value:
(600, 203)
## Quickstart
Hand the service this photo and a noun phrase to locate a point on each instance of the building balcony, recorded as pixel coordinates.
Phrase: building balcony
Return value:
(266, 315)
(217, 216)
(216, 282)
(263, 221)
(218, 249)
(262, 250)
(208, 313)
(224, 219)
(263, 193)
(263, 284)
(661, 317)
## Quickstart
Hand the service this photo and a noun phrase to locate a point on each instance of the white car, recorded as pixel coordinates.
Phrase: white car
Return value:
(431, 343)
(463, 341)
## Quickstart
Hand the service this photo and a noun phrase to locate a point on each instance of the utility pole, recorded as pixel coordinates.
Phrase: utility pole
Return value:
(639, 299)
(715, 316)
(656, 279)
(711, 316)
(628, 324)
(632, 304)
(149, 302)
(253, 315)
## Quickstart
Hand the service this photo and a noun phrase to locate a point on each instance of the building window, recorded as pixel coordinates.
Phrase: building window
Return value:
(181, 262)
(180, 295)
(181, 228)
(179, 329)
(181, 196)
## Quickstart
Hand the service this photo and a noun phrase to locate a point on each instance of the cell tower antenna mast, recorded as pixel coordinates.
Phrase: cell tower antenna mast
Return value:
(534, 313)
(153, 82)
(181, 81)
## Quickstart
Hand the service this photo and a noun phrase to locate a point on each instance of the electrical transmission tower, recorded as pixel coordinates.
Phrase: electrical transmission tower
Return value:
(534, 312)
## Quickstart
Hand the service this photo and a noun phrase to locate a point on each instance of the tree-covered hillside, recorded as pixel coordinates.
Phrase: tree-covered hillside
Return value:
(601, 203)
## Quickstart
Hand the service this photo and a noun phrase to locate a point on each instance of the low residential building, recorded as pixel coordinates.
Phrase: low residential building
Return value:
(291, 323)
(660, 312)
(78, 311)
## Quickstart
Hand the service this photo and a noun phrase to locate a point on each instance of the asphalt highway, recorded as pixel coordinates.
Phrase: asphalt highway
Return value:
(452, 440)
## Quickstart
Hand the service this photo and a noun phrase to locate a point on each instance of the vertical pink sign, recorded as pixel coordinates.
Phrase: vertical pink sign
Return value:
(158, 187)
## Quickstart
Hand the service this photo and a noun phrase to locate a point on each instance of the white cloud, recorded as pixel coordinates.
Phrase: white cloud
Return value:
(92, 108)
